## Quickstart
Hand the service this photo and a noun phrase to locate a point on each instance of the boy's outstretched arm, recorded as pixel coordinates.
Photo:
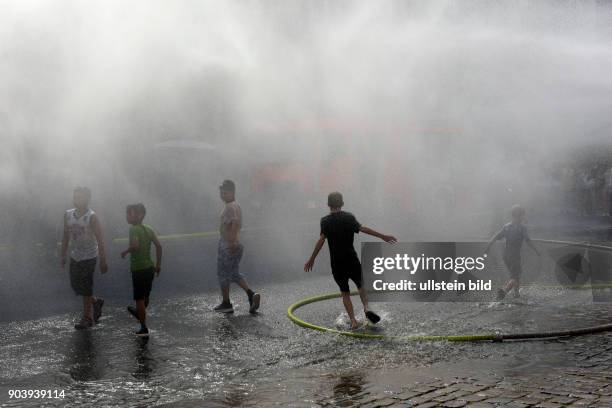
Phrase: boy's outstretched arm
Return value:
(97, 229)
(370, 231)
(494, 238)
(158, 253)
(308, 265)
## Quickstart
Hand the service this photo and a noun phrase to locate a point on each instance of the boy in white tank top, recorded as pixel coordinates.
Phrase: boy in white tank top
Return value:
(82, 232)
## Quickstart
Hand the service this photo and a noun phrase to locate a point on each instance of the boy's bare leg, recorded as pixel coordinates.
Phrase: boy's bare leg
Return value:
(364, 298)
(512, 283)
(141, 311)
(348, 305)
(517, 285)
(244, 285)
(225, 292)
(87, 302)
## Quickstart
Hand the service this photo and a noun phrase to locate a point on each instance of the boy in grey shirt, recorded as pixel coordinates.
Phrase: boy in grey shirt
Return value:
(515, 233)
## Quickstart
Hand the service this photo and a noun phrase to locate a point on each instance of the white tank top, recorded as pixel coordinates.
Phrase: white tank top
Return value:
(83, 243)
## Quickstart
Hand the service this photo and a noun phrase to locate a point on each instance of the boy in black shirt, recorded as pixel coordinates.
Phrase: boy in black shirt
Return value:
(339, 228)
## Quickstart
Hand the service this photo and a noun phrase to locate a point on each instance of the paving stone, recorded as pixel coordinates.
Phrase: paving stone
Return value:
(420, 400)
(427, 405)
(528, 401)
(473, 388)
(481, 405)
(498, 400)
(515, 404)
(605, 400)
(474, 397)
(583, 396)
(547, 404)
(539, 396)
(453, 395)
(580, 403)
(407, 395)
(562, 400)
(491, 392)
(385, 402)
(513, 395)
(454, 404)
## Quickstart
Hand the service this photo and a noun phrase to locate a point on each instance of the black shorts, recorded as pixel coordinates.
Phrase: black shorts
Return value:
(142, 281)
(343, 271)
(513, 263)
(81, 276)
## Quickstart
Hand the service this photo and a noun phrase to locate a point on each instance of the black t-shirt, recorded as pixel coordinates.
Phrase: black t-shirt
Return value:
(339, 228)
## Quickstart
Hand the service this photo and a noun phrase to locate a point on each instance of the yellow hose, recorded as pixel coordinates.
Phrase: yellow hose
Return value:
(467, 337)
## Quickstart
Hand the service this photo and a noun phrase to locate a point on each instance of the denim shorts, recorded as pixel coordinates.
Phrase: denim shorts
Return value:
(228, 263)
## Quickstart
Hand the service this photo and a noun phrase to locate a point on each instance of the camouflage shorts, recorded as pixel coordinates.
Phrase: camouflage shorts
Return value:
(228, 263)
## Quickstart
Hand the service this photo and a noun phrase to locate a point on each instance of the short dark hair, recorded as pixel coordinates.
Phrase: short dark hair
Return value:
(517, 211)
(334, 200)
(137, 208)
(228, 185)
(84, 190)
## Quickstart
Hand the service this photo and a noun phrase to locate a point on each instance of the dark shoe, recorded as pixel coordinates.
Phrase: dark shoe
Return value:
(133, 312)
(254, 302)
(516, 294)
(224, 308)
(143, 332)
(373, 317)
(500, 294)
(85, 323)
(97, 309)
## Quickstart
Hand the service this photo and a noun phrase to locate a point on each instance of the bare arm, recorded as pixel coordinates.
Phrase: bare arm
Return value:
(370, 231)
(158, 253)
(492, 240)
(65, 240)
(309, 264)
(133, 247)
(97, 229)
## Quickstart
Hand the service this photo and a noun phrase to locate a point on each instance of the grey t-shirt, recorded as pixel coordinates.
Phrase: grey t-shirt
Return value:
(514, 234)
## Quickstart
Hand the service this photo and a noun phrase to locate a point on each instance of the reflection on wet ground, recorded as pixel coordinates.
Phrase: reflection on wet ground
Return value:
(195, 357)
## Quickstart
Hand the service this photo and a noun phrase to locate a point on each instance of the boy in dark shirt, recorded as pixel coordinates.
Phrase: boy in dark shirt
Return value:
(515, 233)
(339, 228)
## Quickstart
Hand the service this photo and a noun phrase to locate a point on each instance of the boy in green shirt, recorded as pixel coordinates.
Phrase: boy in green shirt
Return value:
(141, 265)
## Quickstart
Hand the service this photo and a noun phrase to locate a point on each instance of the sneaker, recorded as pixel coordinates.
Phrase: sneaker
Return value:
(143, 332)
(85, 323)
(133, 312)
(373, 317)
(500, 294)
(254, 302)
(224, 308)
(97, 309)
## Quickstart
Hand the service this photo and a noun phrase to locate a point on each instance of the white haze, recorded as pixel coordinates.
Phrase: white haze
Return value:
(87, 89)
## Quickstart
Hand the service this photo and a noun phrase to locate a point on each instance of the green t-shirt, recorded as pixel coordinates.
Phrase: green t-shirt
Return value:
(141, 259)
